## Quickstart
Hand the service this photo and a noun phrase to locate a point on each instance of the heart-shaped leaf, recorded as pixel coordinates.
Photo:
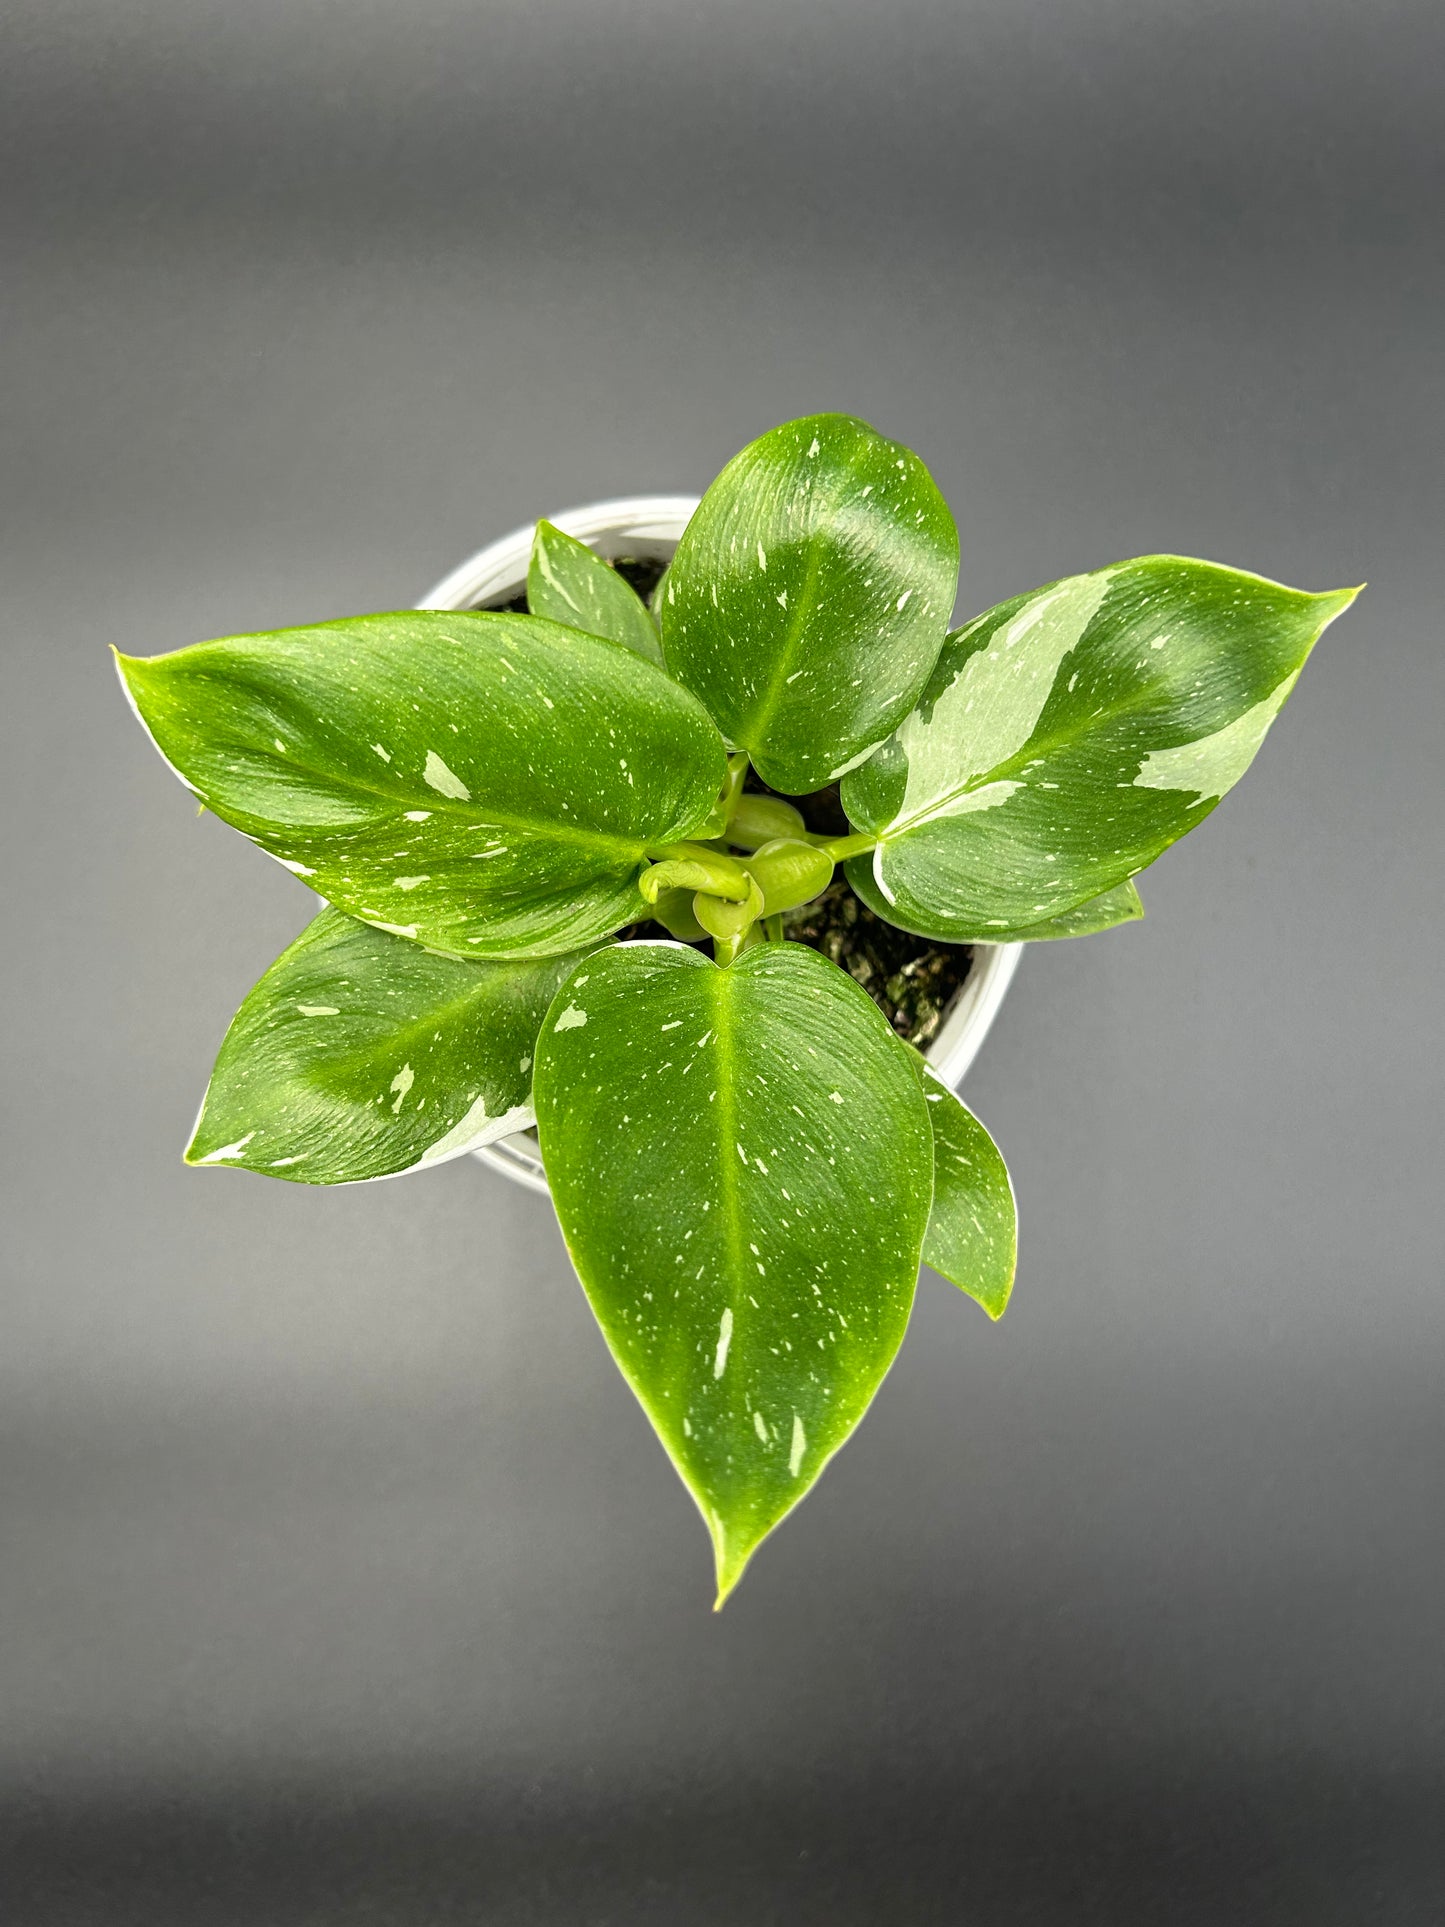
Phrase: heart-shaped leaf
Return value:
(567, 583)
(1068, 737)
(359, 1055)
(810, 594)
(972, 1235)
(485, 784)
(742, 1165)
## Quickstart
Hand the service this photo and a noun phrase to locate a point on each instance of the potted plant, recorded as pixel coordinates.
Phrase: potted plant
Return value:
(946, 1018)
(568, 854)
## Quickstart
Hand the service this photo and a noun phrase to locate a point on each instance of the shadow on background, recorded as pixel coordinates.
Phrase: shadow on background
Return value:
(1186, 1846)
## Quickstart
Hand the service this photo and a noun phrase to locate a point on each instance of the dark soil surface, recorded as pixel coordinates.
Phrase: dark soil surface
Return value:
(911, 979)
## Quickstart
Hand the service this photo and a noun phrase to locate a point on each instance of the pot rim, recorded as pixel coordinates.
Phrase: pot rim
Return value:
(652, 525)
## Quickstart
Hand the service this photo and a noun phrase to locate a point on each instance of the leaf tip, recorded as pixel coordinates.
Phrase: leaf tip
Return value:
(1336, 601)
(726, 1584)
(730, 1560)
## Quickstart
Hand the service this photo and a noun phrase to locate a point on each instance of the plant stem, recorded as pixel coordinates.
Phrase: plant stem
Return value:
(733, 788)
(840, 848)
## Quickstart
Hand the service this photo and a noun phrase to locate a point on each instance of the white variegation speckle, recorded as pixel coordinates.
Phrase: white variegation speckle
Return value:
(227, 1150)
(991, 708)
(544, 563)
(760, 1426)
(724, 1339)
(410, 883)
(318, 1010)
(417, 816)
(446, 782)
(572, 1018)
(384, 754)
(296, 869)
(401, 1084)
(1214, 764)
(800, 1445)
(475, 1129)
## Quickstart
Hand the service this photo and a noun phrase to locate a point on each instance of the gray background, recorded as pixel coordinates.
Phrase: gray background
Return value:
(341, 1579)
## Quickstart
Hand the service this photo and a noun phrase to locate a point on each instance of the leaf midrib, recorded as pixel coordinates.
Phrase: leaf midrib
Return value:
(633, 849)
(1036, 746)
(763, 711)
(400, 1038)
(720, 1001)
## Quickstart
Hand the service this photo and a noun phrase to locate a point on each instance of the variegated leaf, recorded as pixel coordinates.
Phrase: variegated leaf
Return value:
(567, 583)
(1122, 904)
(485, 784)
(359, 1055)
(742, 1165)
(810, 594)
(1068, 737)
(972, 1235)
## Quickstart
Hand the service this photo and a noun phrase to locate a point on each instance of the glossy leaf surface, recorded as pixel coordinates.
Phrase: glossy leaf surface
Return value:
(972, 1235)
(1122, 904)
(742, 1164)
(1068, 737)
(359, 1055)
(485, 784)
(567, 583)
(810, 595)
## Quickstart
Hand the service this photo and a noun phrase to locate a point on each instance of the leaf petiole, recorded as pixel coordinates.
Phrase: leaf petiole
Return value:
(840, 848)
(733, 787)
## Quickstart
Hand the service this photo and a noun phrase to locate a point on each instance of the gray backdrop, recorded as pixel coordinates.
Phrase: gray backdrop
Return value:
(342, 1581)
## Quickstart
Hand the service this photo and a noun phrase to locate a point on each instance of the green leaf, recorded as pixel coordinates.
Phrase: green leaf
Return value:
(742, 1165)
(1068, 737)
(972, 1235)
(1122, 904)
(1119, 905)
(567, 583)
(485, 784)
(359, 1055)
(810, 594)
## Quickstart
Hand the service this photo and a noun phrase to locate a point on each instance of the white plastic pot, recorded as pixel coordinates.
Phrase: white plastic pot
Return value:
(649, 526)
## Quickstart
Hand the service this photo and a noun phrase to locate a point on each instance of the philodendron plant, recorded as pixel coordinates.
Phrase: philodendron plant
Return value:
(747, 1162)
